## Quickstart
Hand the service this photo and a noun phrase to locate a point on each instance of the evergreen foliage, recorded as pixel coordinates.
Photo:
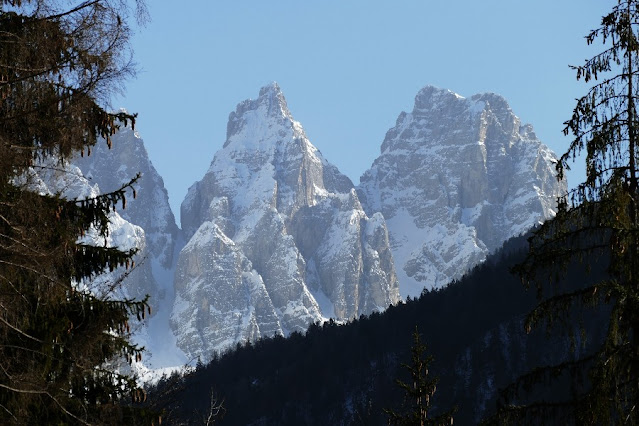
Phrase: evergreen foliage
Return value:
(59, 62)
(597, 219)
(345, 373)
(419, 391)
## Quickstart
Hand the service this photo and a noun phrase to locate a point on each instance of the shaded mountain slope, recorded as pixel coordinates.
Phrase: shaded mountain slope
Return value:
(344, 374)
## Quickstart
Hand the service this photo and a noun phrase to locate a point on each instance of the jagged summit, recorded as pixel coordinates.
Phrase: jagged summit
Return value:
(429, 95)
(274, 94)
(433, 100)
(269, 156)
(268, 109)
(291, 228)
(456, 177)
(432, 103)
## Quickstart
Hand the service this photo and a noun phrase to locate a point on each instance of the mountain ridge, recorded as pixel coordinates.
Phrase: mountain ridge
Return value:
(274, 237)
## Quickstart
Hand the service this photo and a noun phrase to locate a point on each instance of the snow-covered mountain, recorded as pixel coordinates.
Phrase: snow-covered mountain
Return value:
(457, 177)
(277, 238)
(274, 237)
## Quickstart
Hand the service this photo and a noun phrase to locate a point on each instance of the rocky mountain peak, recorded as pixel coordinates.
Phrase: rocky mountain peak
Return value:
(456, 177)
(273, 93)
(261, 118)
(431, 97)
(289, 226)
(436, 108)
(495, 102)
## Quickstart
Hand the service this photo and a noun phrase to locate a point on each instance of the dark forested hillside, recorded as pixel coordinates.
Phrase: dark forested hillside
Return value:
(345, 374)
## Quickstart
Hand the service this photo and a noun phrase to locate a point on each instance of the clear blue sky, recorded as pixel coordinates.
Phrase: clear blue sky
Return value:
(347, 69)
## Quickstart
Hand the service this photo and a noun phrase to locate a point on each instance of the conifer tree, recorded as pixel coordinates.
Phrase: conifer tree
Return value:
(59, 63)
(597, 219)
(418, 392)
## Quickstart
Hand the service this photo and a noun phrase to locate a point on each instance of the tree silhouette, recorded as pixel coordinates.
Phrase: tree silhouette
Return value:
(59, 63)
(597, 219)
(419, 391)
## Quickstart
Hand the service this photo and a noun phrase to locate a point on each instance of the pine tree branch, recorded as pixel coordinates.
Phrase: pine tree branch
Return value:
(42, 392)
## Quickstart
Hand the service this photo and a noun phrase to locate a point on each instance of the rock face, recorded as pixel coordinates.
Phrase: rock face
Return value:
(277, 238)
(455, 179)
(223, 301)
